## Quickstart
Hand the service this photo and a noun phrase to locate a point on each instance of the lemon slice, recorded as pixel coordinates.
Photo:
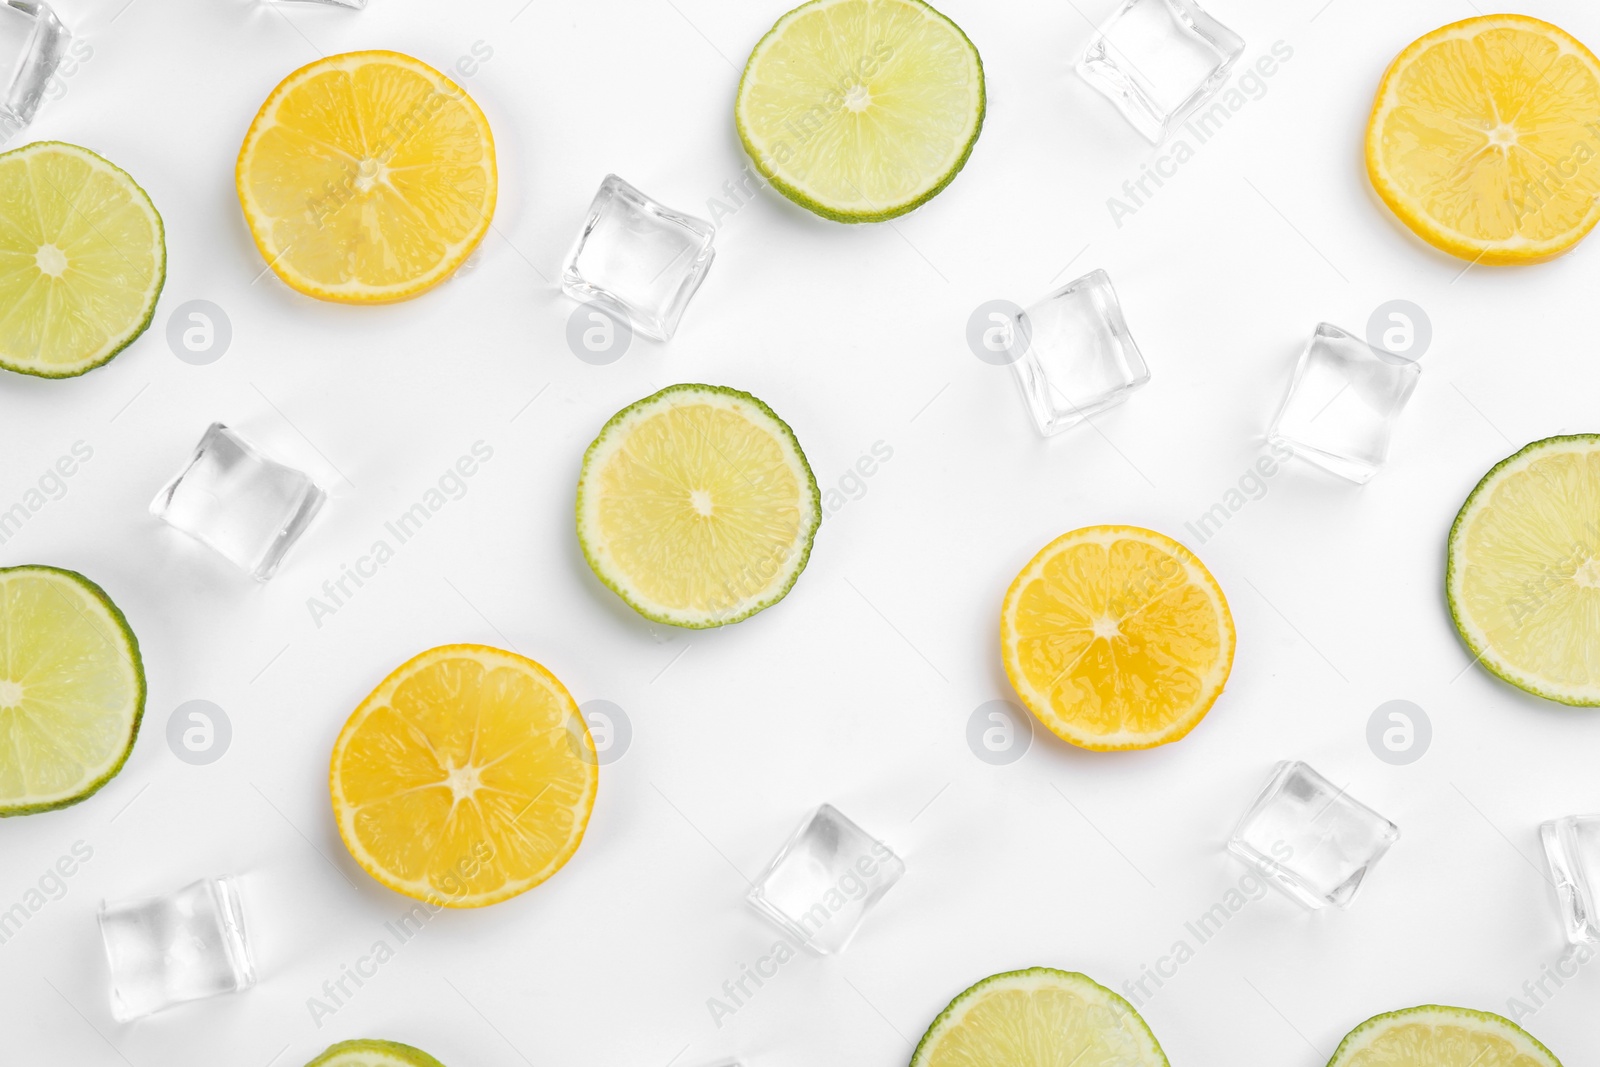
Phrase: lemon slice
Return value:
(367, 1052)
(83, 257)
(1116, 637)
(1482, 139)
(697, 507)
(1038, 1018)
(71, 689)
(1523, 569)
(1436, 1036)
(861, 110)
(367, 177)
(465, 778)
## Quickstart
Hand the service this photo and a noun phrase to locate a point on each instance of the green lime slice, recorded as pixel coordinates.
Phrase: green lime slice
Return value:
(697, 507)
(83, 257)
(1437, 1036)
(1038, 1018)
(369, 1052)
(1523, 569)
(861, 110)
(71, 689)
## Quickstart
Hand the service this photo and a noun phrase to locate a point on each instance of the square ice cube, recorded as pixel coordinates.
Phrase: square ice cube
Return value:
(183, 946)
(1572, 847)
(824, 880)
(32, 42)
(1159, 60)
(1343, 403)
(1078, 358)
(645, 258)
(237, 500)
(1310, 839)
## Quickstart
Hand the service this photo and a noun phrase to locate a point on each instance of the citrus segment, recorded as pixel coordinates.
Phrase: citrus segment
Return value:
(83, 257)
(1437, 1036)
(1038, 1018)
(861, 110)
(696, 506)
(367, 1052)
(1485, 139)
(1116, 637)
(71, 689)
(465, 778)
(367, 177)
(1523, 569)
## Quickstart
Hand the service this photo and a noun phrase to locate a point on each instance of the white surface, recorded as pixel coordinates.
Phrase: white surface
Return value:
(858, 687)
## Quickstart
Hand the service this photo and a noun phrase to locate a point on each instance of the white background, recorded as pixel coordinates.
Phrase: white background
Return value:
(858, 687)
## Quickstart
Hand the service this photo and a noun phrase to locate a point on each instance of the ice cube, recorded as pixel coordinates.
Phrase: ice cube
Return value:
(1077, 357)
(183, 946)
(824, 880)
(1343, 403)
(237, 500)
(32, 42)
(1572, 847)
(1311, 839)
(1159, 60)
(644, 257)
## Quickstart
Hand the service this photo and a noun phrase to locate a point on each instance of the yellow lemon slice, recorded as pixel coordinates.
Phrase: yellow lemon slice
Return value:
(367, 177)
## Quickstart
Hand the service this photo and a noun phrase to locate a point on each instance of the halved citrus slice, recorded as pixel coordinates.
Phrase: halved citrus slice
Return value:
(1116, 637)
(861, 110)
(1482, 139)
(71, 689)
(370, 1052)
(697, 507)
(1038, 1018)
(466, 778)
(83, 257)
(1522, 573)
(367, 177)
(1436, 1036)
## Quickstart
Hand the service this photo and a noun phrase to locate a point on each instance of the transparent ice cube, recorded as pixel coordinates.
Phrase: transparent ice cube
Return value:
(32, 42)
(237, 500)
(184, 946)
(1343, 403)
(1310, 839)
(646, 258)
(1078, 358)
(1572, 847)
(824, 880)
(1159, 60)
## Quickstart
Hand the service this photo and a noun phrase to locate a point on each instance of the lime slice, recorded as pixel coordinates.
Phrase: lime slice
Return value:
(1436, 1036)
(82, 260)
(861, 110)
(1523, 570)
(1038, 1018)
(71, 689)
(697, 507)
(368, 1052)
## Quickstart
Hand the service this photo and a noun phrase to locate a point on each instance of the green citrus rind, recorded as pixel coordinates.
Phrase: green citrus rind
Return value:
(884, 212)
(121, 339)
(1481, 649)
(98, 776)
(689, 620)
(1364, 1036)
(371, 1052)
(1115, 1007)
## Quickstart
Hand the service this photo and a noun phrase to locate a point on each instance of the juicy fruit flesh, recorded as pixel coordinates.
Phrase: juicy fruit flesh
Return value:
(1530, 583)
(372, 172)
(862, 105)
(80, 259)
(466, 778)
(1491, 135)
(1435, 1036)
(69, 690)
(1117, 636)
